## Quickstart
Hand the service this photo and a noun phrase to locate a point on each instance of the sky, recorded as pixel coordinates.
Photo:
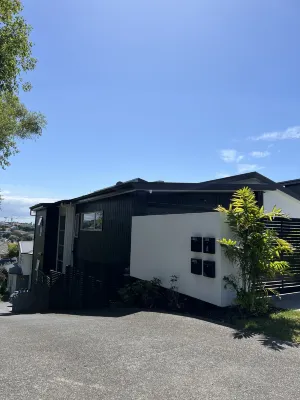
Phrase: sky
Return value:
(170, 90)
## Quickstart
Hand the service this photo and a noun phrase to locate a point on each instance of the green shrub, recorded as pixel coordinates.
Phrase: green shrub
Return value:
(142, 293)
(13, 250)
(255, 250)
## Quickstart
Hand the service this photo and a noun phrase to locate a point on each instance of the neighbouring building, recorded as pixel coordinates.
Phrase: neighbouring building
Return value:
(145, 229)
(19, 273)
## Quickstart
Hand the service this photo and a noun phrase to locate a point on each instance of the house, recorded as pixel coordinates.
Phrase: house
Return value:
(136, 225)
(19, 273)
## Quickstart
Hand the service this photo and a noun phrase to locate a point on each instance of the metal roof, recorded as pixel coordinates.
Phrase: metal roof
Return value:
(291, 182)
(231, 183)
(26, 247)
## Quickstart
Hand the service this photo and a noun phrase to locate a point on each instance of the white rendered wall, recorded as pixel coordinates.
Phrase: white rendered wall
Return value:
(161, 247)
(288, 204)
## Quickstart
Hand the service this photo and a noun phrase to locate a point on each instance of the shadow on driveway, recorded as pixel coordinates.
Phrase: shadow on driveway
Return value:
(267, 341)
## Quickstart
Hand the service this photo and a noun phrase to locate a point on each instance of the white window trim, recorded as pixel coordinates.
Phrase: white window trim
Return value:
(40, 225)
(91, 230)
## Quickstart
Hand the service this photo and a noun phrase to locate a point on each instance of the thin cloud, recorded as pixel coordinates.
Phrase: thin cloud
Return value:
(230, 155)
(18, 206)
(243, 168)
(290, 133)
(259, 154)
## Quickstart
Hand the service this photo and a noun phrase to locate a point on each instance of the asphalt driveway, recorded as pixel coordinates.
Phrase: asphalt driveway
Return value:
(142, 355)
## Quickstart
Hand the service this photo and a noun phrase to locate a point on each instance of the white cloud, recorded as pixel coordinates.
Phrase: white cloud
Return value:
(259, 154)
(230, 155)
(242, 168)
(18, 206)
(290, 133)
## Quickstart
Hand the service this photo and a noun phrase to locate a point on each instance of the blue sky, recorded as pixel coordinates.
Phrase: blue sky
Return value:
(158, 89)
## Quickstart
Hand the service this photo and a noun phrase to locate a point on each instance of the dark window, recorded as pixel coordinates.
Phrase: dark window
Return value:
(60, 253)
(61, 237)
(59, 266)
(62, 222)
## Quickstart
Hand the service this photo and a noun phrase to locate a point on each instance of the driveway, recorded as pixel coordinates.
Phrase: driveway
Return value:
(142, 355)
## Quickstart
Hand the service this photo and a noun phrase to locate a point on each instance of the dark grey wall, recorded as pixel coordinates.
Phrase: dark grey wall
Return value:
(104, 255)
(178, 203)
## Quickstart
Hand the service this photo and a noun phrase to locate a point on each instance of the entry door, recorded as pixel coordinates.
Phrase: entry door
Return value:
(61, 243)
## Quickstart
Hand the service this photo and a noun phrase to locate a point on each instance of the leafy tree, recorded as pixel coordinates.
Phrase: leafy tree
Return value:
(13, 238)
(3, 282)
(3, 275)
(16, 122)
(27, 237)
(254, 249)
(13, 250)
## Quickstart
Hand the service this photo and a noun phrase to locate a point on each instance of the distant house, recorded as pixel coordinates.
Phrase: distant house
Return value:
(19, 273)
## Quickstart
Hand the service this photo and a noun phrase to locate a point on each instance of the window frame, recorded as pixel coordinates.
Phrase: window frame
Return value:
(91, 229)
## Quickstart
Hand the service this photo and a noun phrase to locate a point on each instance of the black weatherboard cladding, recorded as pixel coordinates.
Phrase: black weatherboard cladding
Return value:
(51, 238)
(105, 254)
(178, 203)
(294, 188)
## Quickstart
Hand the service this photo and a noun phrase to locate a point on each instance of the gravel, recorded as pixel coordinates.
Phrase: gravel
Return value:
(140, 355)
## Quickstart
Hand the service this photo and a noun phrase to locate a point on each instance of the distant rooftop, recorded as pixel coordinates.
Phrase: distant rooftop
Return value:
(26, 247)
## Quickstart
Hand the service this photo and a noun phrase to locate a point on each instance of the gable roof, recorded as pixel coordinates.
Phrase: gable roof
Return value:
(243, 177)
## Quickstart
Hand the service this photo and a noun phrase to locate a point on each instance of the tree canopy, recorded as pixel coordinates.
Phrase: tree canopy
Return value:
(16, 122)
(254, 249)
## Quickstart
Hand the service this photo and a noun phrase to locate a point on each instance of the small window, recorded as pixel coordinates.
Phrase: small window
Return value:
(76, 228)
(92, 221)
(40, 226)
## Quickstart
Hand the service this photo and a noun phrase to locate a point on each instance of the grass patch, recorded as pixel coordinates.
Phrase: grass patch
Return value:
(284, 325)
